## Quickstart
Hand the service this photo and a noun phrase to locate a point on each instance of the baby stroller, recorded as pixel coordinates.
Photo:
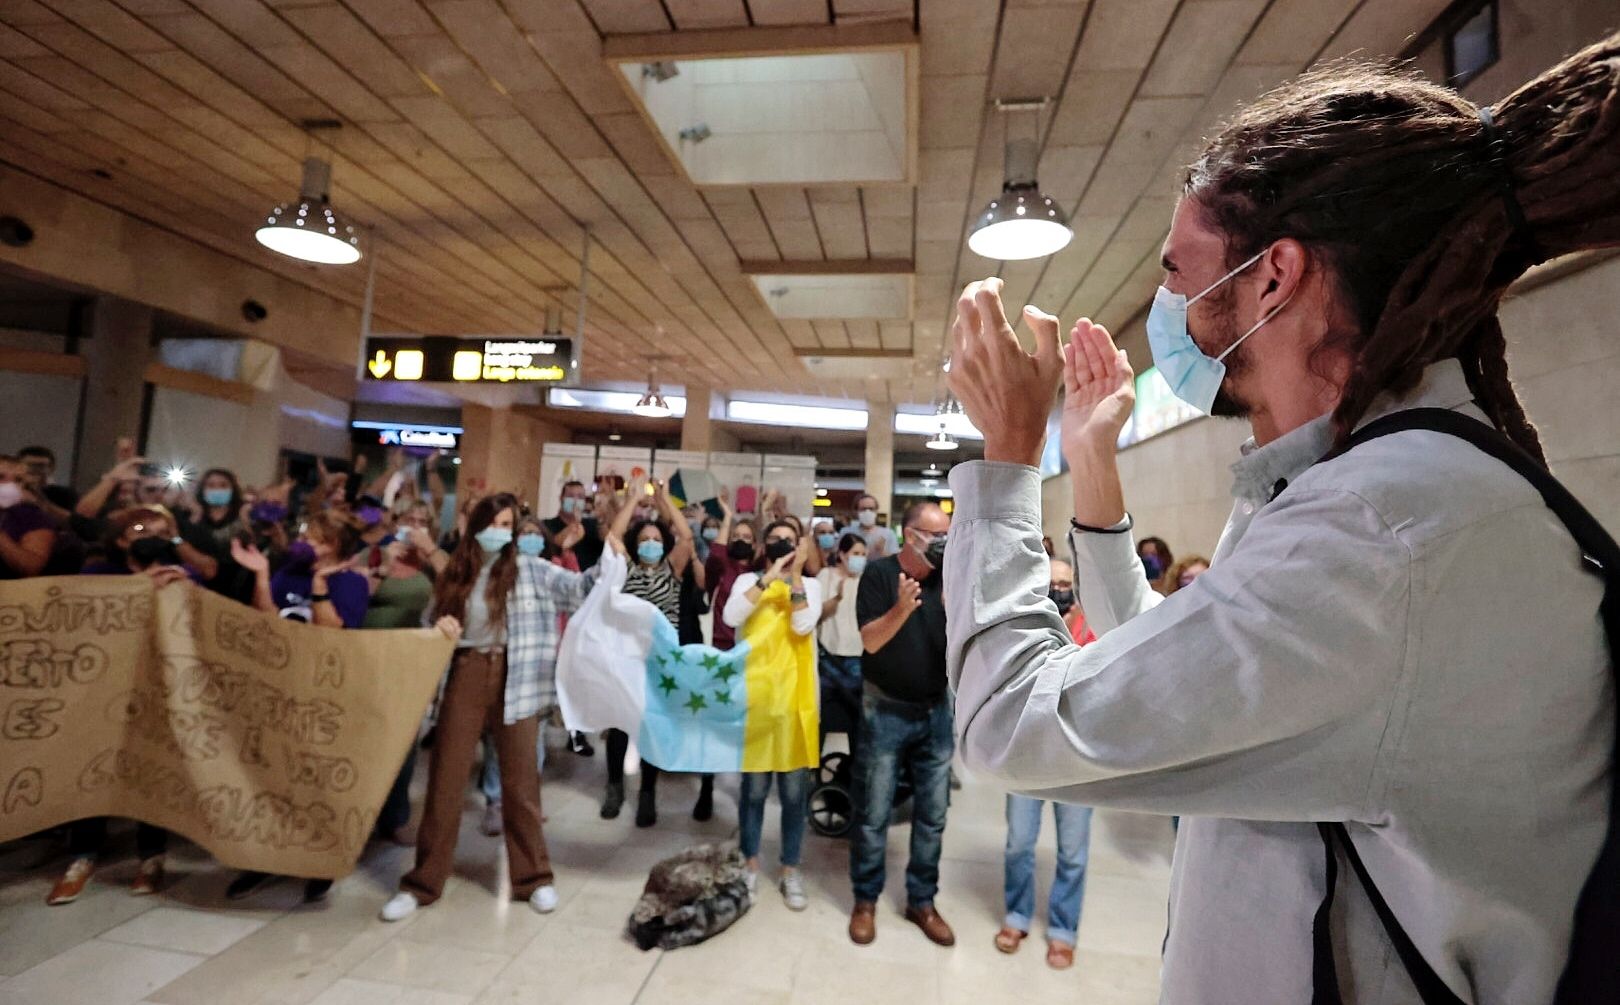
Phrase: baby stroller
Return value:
(832, 791)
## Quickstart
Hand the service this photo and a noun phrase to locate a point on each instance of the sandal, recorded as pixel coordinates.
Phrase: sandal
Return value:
(1009, 939)
(1059, 956)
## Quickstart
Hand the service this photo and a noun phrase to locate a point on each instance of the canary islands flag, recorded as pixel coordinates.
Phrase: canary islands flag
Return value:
(692, 707)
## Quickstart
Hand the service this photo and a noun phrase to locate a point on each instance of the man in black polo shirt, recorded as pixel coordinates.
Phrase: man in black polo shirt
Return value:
(907, 723)
(574, 510)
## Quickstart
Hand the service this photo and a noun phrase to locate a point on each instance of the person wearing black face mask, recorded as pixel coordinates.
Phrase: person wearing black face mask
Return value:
(732, 554)
(1068, 605)
(140, 543)
(906, 723)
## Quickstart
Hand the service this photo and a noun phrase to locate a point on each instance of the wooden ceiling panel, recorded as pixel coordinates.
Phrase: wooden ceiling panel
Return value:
(628, 17)
(563, 17)
(1203, 38)
(489, 37)
(953, 38)
(193, 76)
(775, 13)
(1032, 54)
(1123, 34)
(342, 35)
(872, 10)
(15, 45)
(116, 27)
(1293, 31)
(839, 221)
(390, 18)
(952, 115)
(787, 212)
(576, 59)
(691, 15)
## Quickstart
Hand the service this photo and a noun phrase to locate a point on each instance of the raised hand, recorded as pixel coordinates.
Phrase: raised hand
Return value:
(1005, 391)
(1099, 391)
(775, 571)
(570, 535)
(724, 499)
(801, 555)
(910, 590)
(249, 557)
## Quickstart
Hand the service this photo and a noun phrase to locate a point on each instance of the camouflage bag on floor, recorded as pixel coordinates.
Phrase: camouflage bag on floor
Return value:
(690, 897)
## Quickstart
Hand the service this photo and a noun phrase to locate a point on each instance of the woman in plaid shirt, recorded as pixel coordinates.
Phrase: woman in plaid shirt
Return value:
(509, 605)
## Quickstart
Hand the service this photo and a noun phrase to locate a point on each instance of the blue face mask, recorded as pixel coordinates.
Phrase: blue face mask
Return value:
(711, 533)
(570, 503)
(216, 497)
(826, 541)
(531, 544)
(1193, 376)
(651, 552)
(493, 539)
(856, 564)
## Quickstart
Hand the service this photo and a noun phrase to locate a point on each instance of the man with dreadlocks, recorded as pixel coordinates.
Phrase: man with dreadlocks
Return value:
(1387, 712)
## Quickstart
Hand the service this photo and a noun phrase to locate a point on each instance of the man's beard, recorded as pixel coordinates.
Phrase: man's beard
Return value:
(1227, 404)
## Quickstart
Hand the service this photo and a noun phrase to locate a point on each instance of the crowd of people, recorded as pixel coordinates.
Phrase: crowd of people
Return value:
(360, 550)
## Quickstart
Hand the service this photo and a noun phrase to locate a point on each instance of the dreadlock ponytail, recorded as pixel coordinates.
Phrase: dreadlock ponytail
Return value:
(1423, 208)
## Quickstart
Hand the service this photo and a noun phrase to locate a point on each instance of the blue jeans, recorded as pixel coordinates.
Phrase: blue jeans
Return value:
(896, 737)
(1068, 886)
(489, 782)
(794, 789)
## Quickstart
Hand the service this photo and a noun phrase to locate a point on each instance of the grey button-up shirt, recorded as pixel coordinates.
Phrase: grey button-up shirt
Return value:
(1403, 639)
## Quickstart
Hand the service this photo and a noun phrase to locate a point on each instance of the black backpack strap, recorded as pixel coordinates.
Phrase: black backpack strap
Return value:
(1593, 969)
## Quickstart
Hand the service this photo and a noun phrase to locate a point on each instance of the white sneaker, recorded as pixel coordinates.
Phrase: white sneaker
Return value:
(399, 907)
(544, 899)
(751, 880)
(792, 887)
(492, 824)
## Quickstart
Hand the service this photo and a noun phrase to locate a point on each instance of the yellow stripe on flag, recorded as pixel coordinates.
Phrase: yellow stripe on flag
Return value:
(781, 732)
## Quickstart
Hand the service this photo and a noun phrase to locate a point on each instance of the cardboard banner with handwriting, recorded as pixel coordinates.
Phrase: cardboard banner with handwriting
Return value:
(270, 743)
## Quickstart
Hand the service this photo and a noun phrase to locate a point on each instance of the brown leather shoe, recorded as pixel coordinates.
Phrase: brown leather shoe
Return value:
(863, 923)
(932, 925)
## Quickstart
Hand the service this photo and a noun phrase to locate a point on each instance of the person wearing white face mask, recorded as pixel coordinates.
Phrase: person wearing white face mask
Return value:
(26, 533)
(1388, 708)
(880, 541)
(839, 638)
(510, 604)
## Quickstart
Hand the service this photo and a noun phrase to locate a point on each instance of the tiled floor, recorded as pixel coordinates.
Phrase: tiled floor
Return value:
(190, 946)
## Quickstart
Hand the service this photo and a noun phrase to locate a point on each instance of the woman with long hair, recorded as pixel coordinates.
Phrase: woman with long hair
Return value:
(508, 603)
(660, 550)
(838, 636)
(786, 554)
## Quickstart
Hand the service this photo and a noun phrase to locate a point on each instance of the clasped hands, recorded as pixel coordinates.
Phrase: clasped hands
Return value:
(1007, 392)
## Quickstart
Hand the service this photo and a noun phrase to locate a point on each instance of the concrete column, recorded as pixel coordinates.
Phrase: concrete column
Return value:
(880, 454)
(696, 429)
(116, 353)
(500, 451)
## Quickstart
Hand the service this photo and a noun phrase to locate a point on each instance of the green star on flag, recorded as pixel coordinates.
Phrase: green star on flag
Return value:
(696, 703)
(725, 673)
(722, 698)
(666, 683)
(711, 662)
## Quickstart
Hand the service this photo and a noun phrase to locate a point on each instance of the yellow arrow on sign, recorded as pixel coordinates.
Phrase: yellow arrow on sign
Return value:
(379, 365)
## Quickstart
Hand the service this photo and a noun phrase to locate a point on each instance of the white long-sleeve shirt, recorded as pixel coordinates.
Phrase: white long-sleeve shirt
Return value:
(1403, 639)
(739, 607)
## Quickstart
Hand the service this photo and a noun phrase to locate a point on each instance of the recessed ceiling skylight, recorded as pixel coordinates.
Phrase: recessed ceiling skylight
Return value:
(839, 117)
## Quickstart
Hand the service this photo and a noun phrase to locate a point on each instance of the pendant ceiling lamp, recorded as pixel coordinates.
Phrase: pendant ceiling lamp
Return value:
(941, 440)
(1023, 222)
(652, 404)
(309, 229)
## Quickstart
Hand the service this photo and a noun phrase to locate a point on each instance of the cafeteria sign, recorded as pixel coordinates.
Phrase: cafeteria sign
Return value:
(470, 361)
